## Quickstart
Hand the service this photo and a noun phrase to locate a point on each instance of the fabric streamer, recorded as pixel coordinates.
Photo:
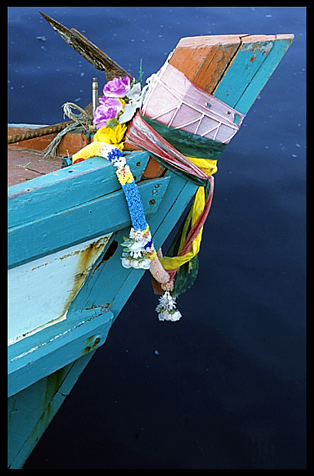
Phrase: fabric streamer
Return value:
(141, 133)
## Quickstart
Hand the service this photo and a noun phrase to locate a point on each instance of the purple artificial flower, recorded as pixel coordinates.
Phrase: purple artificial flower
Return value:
(108, 108)
(117, 87)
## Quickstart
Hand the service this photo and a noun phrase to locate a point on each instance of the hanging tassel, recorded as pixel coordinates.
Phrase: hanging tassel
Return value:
(166, 308)
(138, 249)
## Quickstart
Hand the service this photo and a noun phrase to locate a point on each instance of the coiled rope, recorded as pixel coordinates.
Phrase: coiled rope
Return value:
(81, 120)
(41, 131)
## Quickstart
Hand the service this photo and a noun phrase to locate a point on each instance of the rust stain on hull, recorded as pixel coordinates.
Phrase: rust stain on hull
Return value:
(91, 344)
(86, 260)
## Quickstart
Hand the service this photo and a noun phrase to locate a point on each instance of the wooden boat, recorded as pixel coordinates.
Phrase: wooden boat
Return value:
(66, 282)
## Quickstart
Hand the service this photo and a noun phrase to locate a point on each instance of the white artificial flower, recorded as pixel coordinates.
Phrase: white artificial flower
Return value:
(119, 162)
(126, 263)
(167, 308)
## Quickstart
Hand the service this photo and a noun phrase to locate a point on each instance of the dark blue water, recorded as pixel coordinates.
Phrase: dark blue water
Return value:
(225, 387)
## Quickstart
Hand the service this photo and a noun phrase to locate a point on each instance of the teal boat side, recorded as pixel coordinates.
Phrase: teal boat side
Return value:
(96, 304)
(250, 70)
(53, 207)
(77, 224)
(43, 358)
(31, 410)
(108, 279)
(67, 188)
(48, 350)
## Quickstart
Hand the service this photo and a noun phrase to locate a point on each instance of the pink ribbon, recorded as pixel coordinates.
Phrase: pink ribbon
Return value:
(143, 135)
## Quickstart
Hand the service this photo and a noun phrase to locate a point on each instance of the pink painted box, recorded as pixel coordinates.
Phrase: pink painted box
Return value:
(176, 102)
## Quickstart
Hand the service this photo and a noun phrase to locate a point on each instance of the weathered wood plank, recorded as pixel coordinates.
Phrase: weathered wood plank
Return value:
(71, 343)
(93, 218)
(24, 165)
(242, 71)
(279, 48)
(203, 59)
(41, 291)
(88, 50)
(67, 188)
(31, 410)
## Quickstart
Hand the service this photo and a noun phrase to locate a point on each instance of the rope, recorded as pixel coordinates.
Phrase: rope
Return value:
(38, 132)
(51, 149)
(81, 120)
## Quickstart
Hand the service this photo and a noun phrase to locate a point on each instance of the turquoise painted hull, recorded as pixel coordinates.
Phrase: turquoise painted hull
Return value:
(49, 215)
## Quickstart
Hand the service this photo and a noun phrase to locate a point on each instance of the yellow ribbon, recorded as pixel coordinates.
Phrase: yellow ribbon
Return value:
(197, 207)
(209, 167)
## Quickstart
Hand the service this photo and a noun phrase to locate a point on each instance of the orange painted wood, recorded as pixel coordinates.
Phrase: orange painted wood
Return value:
(153, 169)
(234, 68)
(25, 160)
(129, 146)
(203, 59)
(72, 143)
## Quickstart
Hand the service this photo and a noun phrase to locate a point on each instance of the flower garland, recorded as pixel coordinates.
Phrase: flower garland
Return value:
(117, 106)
